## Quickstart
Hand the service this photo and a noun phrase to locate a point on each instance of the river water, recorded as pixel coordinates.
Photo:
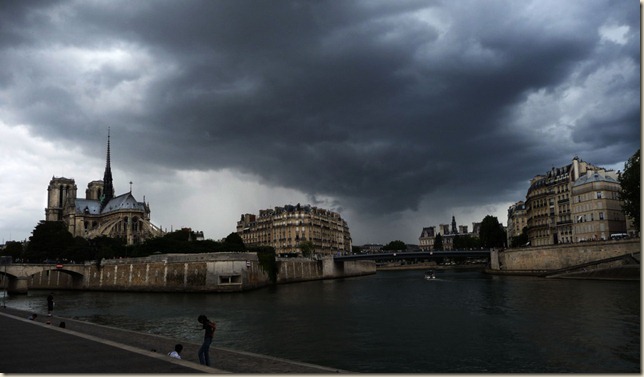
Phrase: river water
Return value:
(396, 322)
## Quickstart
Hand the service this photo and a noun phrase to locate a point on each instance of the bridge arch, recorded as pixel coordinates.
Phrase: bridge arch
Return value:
(17, 278)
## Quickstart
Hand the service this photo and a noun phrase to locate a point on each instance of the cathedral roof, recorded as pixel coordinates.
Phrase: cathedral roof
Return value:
(92, 207)
(124, 201)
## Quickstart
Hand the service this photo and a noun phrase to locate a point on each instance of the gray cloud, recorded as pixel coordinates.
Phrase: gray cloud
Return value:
(383, 106)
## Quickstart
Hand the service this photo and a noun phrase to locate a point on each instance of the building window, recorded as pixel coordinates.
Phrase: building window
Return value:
(599, 194)
(601, 215)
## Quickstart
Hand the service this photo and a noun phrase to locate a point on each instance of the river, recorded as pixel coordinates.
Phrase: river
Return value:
(396, 322)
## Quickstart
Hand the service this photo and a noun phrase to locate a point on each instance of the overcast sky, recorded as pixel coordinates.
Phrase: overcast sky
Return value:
(396, 114)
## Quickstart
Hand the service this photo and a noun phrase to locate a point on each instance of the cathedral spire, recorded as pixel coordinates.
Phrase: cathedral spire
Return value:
(108, 188)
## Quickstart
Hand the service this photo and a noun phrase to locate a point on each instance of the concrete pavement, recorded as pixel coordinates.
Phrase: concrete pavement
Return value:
(35, 347)
(81, 347)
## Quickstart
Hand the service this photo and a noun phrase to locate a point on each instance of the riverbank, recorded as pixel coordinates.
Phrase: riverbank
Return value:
(155, 346)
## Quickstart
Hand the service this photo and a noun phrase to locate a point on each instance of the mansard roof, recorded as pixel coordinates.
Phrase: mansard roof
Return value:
(594, 177)
(428, 231)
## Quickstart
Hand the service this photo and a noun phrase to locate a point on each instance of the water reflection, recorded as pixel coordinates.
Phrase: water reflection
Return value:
(397, 322)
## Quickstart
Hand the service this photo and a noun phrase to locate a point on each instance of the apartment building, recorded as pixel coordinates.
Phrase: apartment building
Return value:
(286, 228)
(517, 220)
(550, 216)
(597, 210)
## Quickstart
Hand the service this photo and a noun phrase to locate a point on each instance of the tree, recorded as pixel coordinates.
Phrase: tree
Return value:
(234, 242)
(466, 242)
(395, 245)
(438, 242)
(492, 233)
(49, 240)
(107, 247)
(307, 248)
(267, 261)
(79, 250)
(520, 240)
(234, 238)
(13, 249)
(630, 188)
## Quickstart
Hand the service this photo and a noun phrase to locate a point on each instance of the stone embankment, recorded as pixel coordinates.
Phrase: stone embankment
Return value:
(615, 260)
(208, 272)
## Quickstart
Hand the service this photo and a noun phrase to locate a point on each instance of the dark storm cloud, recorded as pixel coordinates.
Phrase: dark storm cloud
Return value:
(365, 102)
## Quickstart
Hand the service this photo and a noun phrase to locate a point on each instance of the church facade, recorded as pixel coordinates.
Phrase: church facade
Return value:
(100, 213)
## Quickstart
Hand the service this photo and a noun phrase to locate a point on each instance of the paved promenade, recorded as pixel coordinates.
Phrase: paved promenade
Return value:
(81, 347)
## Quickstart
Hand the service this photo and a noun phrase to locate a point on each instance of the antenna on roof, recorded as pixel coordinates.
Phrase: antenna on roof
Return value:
(130, 187)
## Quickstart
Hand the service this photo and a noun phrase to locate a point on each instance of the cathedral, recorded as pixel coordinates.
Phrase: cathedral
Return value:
(100, 213)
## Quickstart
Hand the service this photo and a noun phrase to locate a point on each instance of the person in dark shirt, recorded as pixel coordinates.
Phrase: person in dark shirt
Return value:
(50, 304)
(210, 328)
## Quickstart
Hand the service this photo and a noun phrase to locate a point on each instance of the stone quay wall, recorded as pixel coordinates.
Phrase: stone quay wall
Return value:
(291, 270)
(208, 272)
(555, 257)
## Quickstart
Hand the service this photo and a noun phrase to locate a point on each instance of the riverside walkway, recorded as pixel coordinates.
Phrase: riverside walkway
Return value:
(82, 347)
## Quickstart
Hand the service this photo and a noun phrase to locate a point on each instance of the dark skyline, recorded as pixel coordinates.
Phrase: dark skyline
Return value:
(396, 114)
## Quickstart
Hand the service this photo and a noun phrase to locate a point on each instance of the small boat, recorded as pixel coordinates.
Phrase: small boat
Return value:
(429, 275)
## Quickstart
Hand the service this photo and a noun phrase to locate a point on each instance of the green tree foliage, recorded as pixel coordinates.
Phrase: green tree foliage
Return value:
(78, 251)
(464, 242)
(492, 233)
(630, 188)
(104, 247)
(307, 248)
(267, 262)
(356, 249)
(520, 240)
(49, 240)
(395, 245)
(438, 242)
(233, 242)
(183, 242)
(13, 249)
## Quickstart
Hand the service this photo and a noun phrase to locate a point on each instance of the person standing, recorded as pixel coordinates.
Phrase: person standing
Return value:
(210, 328)
(50, 304)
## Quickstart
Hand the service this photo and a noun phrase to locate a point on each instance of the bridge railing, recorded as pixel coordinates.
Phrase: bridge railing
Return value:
(417, 254)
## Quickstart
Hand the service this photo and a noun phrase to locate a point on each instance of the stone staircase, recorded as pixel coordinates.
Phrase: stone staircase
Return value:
(623, 267)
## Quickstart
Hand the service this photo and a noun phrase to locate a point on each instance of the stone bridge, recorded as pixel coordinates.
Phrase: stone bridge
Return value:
(15, 277)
